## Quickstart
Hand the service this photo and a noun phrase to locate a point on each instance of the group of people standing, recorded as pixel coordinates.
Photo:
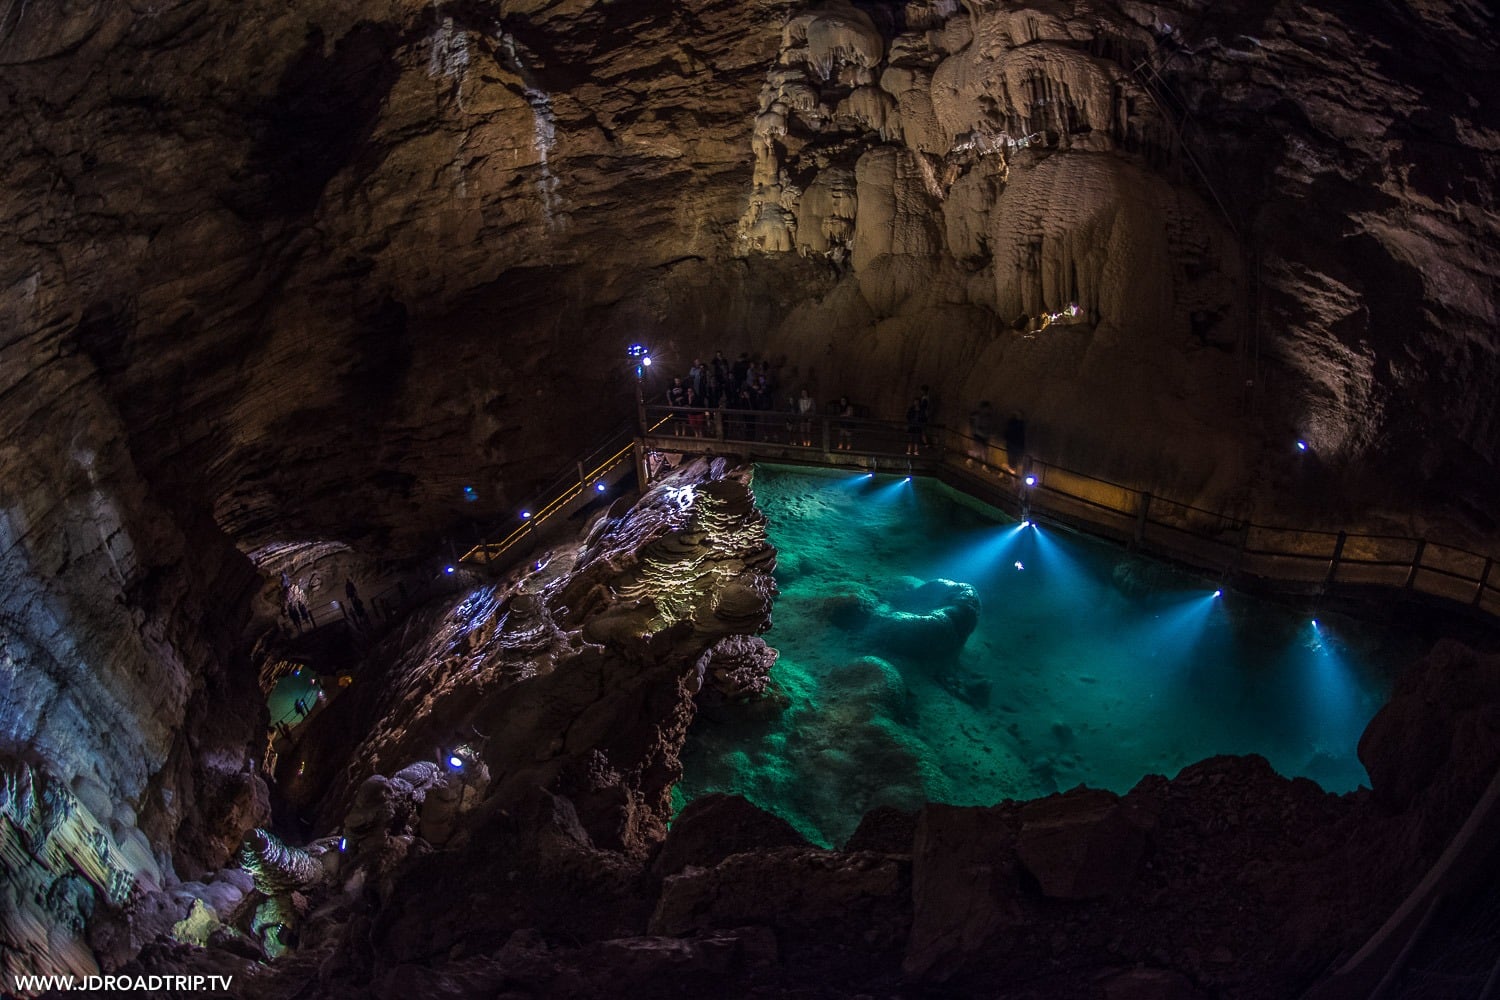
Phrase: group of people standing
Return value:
(736, 400)
(709, 388)
(294, 603)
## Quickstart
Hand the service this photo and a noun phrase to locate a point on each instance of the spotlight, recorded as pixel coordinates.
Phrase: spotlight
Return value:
(646, 361)
(636, 350)
(599, 487)
(1301, 445)
(447, 569)
(1218, 593)
(1031, 480)
(869, 475)
(1315, 623)
(343, 843)
(525, 515)
(456, 762)
(1025, 523)
(469, 495)
(908, 479)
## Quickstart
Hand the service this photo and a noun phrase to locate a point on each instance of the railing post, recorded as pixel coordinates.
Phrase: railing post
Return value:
(639, 447)
(1140, 521)
(580, 474)
(1338, 553)
(824, 421)
(1484, 581)
(1416, 563)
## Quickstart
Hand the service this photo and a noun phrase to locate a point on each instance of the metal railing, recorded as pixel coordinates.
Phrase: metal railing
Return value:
(1306, 560)
(605, 464)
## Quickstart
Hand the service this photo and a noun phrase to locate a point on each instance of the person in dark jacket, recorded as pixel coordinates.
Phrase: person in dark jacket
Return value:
(1015, 443)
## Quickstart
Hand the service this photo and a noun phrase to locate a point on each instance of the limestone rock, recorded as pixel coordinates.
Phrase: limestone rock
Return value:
(804, 893)
(712, 827)
(738, 667)
(1079, 845)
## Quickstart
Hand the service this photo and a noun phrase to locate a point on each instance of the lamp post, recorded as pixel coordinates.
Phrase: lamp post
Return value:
(641, 355)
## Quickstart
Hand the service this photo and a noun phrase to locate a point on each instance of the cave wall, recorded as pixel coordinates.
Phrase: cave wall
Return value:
(1244, 207)
(278, 274)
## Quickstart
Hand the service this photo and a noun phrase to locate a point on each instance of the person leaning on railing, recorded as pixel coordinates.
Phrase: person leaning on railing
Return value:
(846, 424)
(981, 426)
(678, 396)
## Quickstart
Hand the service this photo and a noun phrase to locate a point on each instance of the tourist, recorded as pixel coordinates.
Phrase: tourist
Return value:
(805, 408)
(914, 427)
(697, 421)
(762, 400)
(846, 426)
(981, 426)
(677, 397)
(1015, 443)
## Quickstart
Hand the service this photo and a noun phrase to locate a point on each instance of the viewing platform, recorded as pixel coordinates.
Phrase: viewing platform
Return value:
(1237, 550)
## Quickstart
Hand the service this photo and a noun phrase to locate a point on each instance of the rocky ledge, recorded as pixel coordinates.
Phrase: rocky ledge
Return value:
(535, 859)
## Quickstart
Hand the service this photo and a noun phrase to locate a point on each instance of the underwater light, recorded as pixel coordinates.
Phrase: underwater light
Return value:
(1018, 564)
(907, 479)
(1314, 623)
(1026, 523)
(456, 762)
(447, 569)
(1301, 445)
(1031, 480)
(1218, 593)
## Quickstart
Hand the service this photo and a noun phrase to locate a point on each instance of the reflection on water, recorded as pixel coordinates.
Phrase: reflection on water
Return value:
(1084, 664)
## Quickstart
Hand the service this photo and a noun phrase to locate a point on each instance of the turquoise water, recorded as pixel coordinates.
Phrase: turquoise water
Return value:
(283, 698)
(1086, 665)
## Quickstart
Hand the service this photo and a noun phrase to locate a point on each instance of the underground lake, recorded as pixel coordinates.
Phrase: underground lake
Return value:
(934, 649)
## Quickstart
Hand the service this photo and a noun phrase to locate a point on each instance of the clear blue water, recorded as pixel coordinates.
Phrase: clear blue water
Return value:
(1086, 665)
(283, 698)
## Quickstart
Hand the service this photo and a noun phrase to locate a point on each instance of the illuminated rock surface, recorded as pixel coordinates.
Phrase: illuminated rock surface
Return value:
(292, 275)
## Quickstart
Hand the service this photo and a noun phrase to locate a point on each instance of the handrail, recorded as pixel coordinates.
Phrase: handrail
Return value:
(1230, 544)
(563, 490)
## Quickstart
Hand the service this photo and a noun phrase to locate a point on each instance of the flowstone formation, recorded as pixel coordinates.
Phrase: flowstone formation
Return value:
(1141, 222)
(999, 167)
(576, 674)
